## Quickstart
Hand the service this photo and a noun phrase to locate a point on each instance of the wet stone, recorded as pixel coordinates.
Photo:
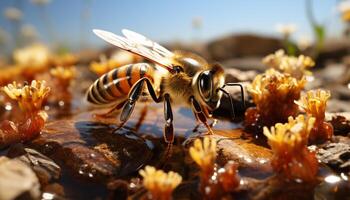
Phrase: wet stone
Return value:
(336, 156)
(235, 75)
(276, 188)
(45, 168)
(93, 150)
(17, 180)
(252, 158)
(340, 124)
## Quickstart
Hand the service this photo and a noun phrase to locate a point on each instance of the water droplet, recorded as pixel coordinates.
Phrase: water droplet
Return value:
(344, 176)
(8, 106)
(48, 196)
(310, 78)
(332, 179)
(241, 182)
(132, 185)
(221, 170)
(61, 103)
(298, 180)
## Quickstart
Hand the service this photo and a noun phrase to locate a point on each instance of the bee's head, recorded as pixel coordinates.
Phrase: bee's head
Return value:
(206, 85)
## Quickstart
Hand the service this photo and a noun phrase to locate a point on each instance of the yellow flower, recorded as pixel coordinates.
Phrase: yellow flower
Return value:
(291, 157)
(103, 67)
(314, 103)
(64, 73)
(295, 66)
(204, 152)
(272, 88)
(117, 59)
(289, 137)
(159, 183)
(65, 60)
(29, 97)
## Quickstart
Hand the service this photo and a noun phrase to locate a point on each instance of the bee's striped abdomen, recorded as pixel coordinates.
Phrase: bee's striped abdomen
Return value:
(116, 84)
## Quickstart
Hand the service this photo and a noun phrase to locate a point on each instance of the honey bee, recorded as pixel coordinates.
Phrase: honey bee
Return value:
(173, 78)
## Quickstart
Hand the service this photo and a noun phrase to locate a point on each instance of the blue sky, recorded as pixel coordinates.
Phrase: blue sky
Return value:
(164, 20)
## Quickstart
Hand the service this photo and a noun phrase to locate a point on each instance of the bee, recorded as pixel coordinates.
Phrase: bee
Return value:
(180, 78)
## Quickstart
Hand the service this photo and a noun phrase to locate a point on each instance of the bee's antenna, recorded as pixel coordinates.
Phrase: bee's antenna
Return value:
(230, 96)
(231, 101)
(242, 90)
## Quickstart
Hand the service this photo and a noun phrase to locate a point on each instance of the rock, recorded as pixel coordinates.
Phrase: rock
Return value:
(231, 146)
(341, 125)
(334, 50)
(246, 63)
(341, 92)
(17, 180)
(276, 188)
(235, 75)
(53, 191)
(336, 106)
(93, 150)
(335, 155)
(242, 151)
(45, 168)
(118, 189)
(243, 45)
(332, 73)
(340, 122)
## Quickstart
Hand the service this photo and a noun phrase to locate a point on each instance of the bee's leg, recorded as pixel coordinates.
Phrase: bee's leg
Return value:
(200, 114)
(168, 128)
(213, 123)
(131, 101)
(151, 91)
(195, 129)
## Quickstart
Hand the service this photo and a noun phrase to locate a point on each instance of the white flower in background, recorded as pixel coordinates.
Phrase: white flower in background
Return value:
(41, 2)
(197, 22)
(344, 9)
(35, 55)
(304, 42)
(29, 31)
(286, 29)
(13, 13)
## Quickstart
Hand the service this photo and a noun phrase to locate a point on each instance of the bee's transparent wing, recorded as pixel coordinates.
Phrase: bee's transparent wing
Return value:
(138, 44)
(140, 39)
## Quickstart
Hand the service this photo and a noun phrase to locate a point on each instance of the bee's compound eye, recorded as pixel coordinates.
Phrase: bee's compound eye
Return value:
(205, 85)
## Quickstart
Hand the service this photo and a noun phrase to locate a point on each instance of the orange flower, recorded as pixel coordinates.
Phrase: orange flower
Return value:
(158, 183)
(288, 142)
(297, 67)
(29, 97)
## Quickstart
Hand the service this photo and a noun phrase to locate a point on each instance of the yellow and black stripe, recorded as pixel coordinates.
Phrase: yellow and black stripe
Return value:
(117, 83)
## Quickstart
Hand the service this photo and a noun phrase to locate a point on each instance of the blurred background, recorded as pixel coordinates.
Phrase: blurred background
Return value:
(69, 23)
(235, 33)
